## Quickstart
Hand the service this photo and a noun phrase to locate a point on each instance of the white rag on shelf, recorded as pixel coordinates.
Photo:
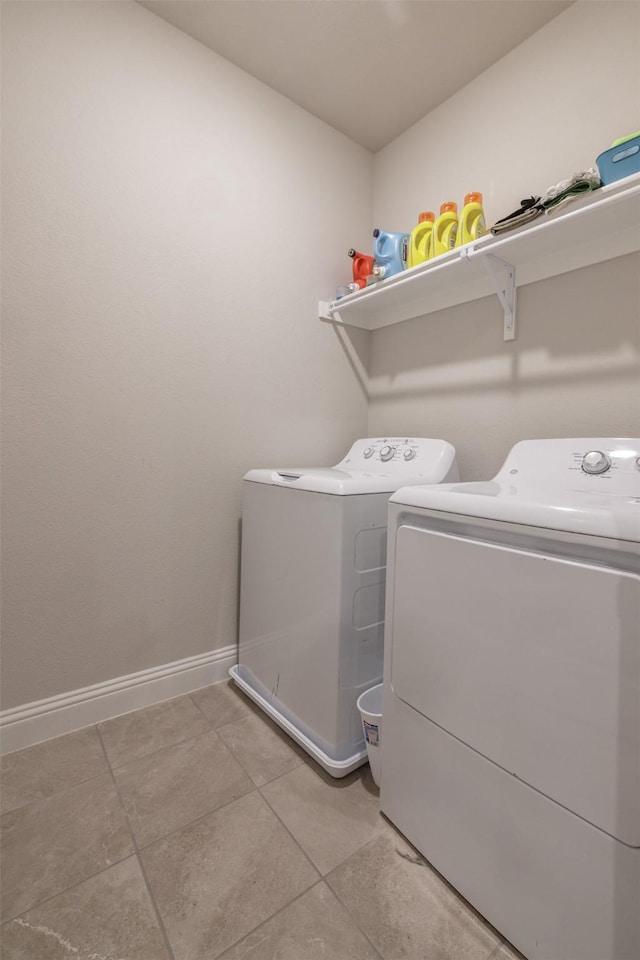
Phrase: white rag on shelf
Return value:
(563, 192)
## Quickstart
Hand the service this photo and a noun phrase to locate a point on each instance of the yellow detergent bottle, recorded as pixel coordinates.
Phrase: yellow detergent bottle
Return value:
(445, 229)
(420, 240)
(472, 223)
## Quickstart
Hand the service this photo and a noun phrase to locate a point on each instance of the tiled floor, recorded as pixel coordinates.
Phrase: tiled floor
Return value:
(196, 830)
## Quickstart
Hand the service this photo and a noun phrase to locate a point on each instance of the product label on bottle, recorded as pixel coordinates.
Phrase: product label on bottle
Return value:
(371, 733)
(452, 236)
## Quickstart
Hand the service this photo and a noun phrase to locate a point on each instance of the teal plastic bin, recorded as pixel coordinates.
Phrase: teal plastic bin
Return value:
(620, 161)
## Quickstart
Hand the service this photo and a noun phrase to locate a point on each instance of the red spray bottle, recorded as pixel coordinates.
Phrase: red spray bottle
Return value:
(362, 267)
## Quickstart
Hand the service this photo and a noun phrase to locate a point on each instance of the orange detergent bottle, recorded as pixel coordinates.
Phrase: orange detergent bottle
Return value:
(472, 223)
(362, 267)
(445, 229)
(420, 239)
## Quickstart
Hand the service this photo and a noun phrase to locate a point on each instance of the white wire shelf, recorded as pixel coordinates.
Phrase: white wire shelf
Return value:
(594, 228)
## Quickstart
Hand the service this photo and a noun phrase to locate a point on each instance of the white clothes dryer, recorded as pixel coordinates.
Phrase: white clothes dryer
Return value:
(312, 588)
(511, 738)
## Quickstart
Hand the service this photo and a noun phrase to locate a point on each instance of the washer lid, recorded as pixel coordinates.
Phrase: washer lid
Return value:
(373, 465)
(333, 481)
(543, 484)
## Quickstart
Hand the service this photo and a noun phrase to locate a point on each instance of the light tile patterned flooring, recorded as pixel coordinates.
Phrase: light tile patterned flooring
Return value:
(195, 830)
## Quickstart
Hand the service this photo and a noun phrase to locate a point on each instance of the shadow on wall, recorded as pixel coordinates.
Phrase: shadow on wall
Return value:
(357, 347)
(238, 579)
(582, 327)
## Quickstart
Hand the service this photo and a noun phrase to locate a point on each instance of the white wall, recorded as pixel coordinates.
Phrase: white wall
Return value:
(169, 225)
(536, 116)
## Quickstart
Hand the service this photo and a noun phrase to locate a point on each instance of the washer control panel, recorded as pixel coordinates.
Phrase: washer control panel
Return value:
(387, 449)
(417, 457)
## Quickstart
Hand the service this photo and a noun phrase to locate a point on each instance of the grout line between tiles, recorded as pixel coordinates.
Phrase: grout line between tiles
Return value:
(346, 857)
(190, 823)
(250, 705)
(258, 786)
(110, 768)
(281, 821)
(231, 752)
(150, 892)
(323, 877)
(457, 895)
(349, 911)
(72, 886)
(56, 793)
(355, 920)
(166, 746)
(269, 919)
(239, 761)
(252, 712)
(199, 708)
(255, 789)
(230, 723)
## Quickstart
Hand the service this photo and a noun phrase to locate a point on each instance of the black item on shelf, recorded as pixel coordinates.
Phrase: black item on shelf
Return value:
(528, 210)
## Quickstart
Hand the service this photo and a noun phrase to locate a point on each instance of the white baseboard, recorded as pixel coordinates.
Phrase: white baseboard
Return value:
(32, 723)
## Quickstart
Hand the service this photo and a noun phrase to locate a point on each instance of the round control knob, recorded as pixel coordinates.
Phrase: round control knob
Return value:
(595, 462)
(638, 462)
(409, 454)
(387, 453)
(369, 453)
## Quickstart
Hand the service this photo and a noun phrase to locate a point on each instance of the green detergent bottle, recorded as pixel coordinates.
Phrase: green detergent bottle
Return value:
(472, 223)
(420, 239)
(445, 229)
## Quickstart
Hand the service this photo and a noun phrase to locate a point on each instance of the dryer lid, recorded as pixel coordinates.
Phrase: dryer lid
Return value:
(543, 483)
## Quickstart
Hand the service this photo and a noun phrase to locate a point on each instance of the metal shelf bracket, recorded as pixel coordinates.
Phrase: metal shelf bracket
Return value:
(505, 290)
(325, 312)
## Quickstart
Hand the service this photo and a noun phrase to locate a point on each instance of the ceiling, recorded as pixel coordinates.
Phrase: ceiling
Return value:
(369, 68)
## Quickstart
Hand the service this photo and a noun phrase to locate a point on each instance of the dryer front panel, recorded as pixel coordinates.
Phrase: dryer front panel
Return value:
(532, 660)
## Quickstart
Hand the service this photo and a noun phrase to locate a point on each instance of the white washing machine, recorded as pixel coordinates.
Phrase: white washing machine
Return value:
(511, 737)
(312, 588)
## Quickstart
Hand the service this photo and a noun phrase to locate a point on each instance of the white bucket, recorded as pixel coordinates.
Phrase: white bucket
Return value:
(370, 707)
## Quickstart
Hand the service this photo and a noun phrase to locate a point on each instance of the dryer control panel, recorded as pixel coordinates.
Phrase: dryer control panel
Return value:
(607, 463)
